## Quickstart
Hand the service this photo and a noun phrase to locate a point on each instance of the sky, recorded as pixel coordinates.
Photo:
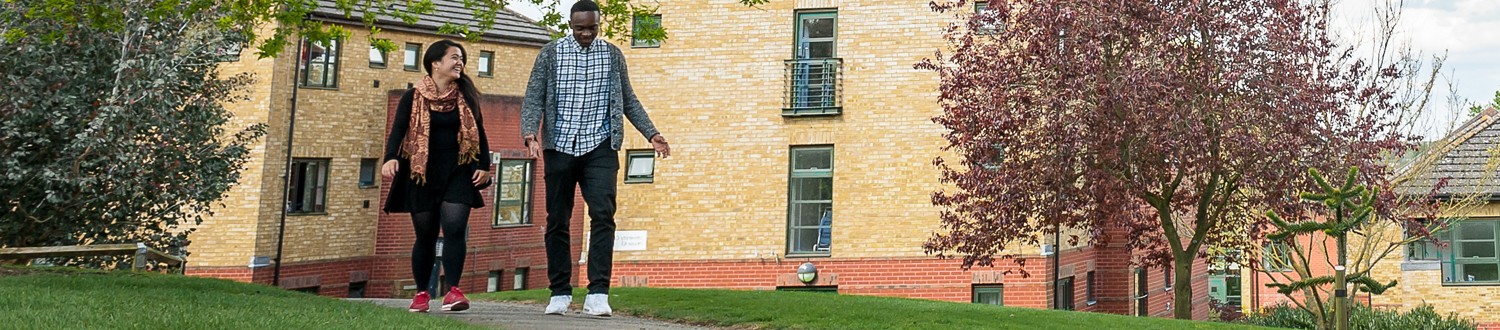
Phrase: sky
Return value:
(1467, 31)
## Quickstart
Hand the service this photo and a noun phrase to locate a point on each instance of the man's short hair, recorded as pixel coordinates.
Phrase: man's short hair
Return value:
(584, 6)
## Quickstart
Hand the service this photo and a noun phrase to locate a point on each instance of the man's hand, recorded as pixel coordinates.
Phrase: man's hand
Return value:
(533, 147)
(659, 143)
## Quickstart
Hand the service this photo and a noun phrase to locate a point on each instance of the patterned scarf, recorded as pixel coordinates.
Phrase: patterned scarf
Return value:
(415, 148)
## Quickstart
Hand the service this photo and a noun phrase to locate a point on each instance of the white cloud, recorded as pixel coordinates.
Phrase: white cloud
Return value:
(1466, 30)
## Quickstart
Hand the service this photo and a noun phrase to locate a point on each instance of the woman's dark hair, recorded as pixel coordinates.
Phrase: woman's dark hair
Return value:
(435, 53)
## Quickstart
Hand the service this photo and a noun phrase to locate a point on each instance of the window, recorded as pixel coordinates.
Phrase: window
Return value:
(1232, 288)
(646, 27)
(513, 193)
(320, 64)
(367, 169)
(308, 189)
(989, 294)
(494, 282)
(1277, 257)
(312, 290)
(640, 166)
(377, 58)
(486, 64)
(357, 290)
(810, 214)
(409, 59)
(1142, 305)
(817, 289)
(1426, 248)
(520, 279)
(817, 34)
(991, 159)
(1088, 289)
(1166, 278)
(230, 52)
(813, 72)
(1065, 293)
(981, 9)
(1473, 258)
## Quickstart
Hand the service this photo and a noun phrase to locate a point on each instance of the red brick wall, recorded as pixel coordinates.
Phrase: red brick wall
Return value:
(1265, 297)
(490, 248)
(930, 278)
(237, 274)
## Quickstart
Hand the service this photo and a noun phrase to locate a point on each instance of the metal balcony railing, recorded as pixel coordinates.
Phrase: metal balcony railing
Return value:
(813, 87)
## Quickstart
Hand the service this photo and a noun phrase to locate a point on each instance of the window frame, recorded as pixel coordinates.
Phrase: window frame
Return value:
(1429, 250)
(630, 159)
(1089, 297)
(1270, 265)
(997, 289)
(980, 7)
(825, 289)
(1451, 264)
(1166, 278)
(635, 27)
(526, 201)
(385, 58)
(413, 54)
(331, 64)
(373, 173)
(320, 189)
(797, 39)
(518, 278)
(1143, 293)
(485, 70)
(494, 281)
(231, 52)
(1066, 298)
(793, 201)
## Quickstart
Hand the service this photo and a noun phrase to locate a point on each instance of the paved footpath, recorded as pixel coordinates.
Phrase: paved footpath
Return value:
(521, 316)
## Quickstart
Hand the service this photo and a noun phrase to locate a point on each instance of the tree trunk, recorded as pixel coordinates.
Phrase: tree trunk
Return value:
(1182, 285)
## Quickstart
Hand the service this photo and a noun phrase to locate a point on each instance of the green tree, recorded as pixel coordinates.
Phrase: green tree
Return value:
(288, 19)
(114, 130)
(1474, 110)
(1351, 208)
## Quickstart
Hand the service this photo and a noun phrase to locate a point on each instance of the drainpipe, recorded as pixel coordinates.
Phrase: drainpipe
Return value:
(286, 174)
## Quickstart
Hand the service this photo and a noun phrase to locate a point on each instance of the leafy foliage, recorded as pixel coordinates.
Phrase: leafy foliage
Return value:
(1174, 122)
(1364, 317)
(115, 132)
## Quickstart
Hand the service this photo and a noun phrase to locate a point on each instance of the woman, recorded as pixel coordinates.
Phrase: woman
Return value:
(439, 158)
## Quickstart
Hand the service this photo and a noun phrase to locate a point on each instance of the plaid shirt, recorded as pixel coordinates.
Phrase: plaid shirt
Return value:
(582, 96)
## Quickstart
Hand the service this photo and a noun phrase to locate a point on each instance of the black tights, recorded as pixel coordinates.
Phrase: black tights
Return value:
(454, 218)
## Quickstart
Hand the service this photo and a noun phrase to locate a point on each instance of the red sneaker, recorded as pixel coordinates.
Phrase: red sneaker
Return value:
(455, 301)
(419, 303)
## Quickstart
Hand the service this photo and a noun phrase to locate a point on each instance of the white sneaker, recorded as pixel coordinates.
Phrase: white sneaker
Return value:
(596, 304)
(559, 305)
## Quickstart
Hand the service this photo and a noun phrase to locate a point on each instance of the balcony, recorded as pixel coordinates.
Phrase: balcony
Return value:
(813, 87)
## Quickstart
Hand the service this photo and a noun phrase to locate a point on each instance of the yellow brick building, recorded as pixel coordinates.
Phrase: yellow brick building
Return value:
(335, 237)
(1460, 273)
(802, 133)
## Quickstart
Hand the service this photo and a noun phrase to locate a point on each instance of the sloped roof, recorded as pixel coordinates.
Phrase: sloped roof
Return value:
(509, 27)
(1463, 158)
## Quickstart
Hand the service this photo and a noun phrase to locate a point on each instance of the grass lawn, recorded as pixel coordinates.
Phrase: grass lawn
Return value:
(808, 310)
(62, 298)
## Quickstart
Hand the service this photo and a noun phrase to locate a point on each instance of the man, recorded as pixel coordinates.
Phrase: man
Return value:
(578, 93)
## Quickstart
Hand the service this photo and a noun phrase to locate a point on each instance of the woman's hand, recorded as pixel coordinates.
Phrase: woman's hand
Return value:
(389, 169)
(480, 176)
